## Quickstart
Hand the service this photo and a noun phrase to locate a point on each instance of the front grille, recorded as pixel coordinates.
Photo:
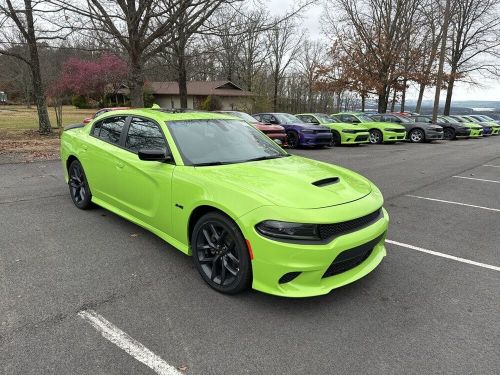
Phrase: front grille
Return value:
(327, 231)
(287, 277)
(351, 258)
(360, 138)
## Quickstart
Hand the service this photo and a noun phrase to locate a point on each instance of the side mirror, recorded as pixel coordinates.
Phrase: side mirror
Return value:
(355, 121)
(154, 155)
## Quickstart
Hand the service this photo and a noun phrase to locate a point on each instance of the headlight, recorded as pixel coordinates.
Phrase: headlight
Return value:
(292, 231)
(308, 131)
(350, 131)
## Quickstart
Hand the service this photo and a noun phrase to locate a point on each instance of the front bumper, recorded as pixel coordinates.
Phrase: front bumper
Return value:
(495, 131)
(392, 136)
(315, 139)
(354, 138)
(275, 259)
(476, 133)
(431, 135)
(463, 133)
(278, 136)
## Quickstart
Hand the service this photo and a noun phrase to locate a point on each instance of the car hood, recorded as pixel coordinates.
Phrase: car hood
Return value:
(292, 181)
(268, 128)
(309, 126)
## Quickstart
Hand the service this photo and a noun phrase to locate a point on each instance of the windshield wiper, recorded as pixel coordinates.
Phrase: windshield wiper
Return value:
(268, 157)
(212, 163)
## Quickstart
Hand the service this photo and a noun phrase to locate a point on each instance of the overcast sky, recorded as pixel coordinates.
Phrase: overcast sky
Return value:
(312, 21)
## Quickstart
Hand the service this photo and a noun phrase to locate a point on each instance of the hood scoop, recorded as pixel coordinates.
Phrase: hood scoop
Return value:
(326, 181)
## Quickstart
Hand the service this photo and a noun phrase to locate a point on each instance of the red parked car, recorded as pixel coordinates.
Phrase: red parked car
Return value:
(275, 132)
(101, 111)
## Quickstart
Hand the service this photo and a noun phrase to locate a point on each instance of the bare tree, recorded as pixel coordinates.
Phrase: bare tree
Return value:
(373, 33)
(475, 40)
(310, 58)
(20, 20)
(283, 43)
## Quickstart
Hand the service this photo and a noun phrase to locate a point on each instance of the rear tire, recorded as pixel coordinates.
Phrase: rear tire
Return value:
(78, 186)
(220, 254)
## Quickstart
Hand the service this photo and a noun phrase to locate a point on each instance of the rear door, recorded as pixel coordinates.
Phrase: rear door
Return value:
(100, 161)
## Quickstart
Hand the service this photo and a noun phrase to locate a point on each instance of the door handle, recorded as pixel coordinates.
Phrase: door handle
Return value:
(120, 165)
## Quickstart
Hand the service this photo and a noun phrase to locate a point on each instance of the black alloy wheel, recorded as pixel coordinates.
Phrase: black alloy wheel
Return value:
(448, 133)
(220, 254)
(293, 139)
(336, 140)
(78, 186)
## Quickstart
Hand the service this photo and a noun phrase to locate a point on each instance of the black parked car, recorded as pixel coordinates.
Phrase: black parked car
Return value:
(451, 129)
(418, 132)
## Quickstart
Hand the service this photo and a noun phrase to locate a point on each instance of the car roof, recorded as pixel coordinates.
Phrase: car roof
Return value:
(161, 115)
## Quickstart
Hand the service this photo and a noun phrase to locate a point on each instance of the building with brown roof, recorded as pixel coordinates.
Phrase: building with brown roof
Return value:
(231, 96)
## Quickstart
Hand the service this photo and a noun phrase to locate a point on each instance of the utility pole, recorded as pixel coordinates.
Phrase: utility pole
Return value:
(442, 55)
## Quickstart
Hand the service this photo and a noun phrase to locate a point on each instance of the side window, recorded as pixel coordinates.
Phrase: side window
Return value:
(308, 118)
(144, 134)
(377, 118)
(110, 129)
(347, 118)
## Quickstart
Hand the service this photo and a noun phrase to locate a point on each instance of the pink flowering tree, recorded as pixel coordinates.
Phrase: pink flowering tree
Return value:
(93, 79)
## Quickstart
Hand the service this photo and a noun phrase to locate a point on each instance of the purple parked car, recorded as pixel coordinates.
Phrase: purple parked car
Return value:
(298, 132)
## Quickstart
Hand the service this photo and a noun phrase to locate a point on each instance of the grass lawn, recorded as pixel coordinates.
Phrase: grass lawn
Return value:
(14, 117)
(19, 138)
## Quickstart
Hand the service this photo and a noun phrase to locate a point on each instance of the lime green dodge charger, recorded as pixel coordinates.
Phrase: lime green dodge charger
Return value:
(218, 189)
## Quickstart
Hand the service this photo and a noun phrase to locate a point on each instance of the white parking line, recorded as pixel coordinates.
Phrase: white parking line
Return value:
(477, 179)
(491, 165)
(463, 260)
(451, 202)
(115, 335)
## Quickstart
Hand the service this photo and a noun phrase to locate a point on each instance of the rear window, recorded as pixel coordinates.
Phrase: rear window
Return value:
(110, 129)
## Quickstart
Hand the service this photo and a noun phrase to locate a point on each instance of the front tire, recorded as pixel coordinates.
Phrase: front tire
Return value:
(336, 139)
(449, 134)
(78, 186)
(376, 136)
(293, 139)
(220, 254)
(417, 136)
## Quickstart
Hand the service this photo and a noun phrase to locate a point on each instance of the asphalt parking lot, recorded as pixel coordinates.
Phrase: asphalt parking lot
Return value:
(432, 306)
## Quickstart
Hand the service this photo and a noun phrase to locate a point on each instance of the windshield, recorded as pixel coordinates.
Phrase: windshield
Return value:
(212, 142)
(325, 118)
(364, 118)
(286, 118)
(403, 118)
(487, 118)
(241, 115)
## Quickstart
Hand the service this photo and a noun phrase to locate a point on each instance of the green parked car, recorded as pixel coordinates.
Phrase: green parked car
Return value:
(343, 134)
(495, 128)
(216, 188)
(476, 130)
(379, 131)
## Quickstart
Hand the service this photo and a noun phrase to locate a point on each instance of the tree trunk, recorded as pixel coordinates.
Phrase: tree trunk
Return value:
(403, 97)
(449, 94)
(275, 92)
(136, 85)
(44, 126)
(420, 97)
(182, 81)
(363, 100)
(393, 104)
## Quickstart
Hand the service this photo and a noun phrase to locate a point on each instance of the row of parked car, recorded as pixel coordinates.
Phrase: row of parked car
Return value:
(353, 128)
(318, 129)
